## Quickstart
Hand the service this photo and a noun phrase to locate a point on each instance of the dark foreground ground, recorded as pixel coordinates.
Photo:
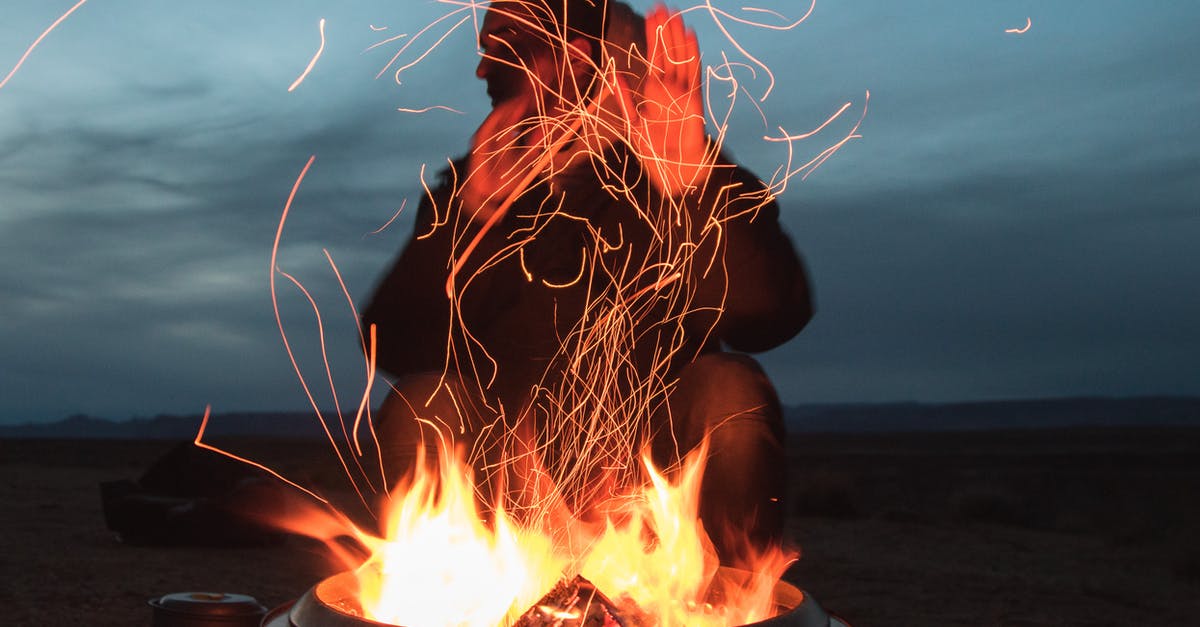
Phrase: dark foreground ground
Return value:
(1051, 528)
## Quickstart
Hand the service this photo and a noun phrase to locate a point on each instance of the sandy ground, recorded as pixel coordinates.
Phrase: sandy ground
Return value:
(980, 530)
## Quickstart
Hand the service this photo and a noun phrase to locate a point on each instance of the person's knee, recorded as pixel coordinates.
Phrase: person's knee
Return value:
(419, 396)
(421, 416)
(728, 399)
(721, 391)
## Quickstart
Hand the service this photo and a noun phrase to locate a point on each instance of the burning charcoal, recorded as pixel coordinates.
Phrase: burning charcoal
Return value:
(577, 603)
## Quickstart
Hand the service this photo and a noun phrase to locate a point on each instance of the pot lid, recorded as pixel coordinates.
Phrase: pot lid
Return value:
(209, 604)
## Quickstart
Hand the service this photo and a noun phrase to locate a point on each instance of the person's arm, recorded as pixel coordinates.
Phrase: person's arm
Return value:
(767, 298)
(409, 307)
(664, 114)
(762, 291)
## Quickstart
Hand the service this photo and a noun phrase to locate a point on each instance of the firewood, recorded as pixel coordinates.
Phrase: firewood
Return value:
(577, 603)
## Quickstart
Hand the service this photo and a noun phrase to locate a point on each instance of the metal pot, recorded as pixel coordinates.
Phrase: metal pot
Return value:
(332, 603)
(207, 609)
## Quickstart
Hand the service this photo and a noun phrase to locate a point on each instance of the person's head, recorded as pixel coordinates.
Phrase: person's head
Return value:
(547, 47)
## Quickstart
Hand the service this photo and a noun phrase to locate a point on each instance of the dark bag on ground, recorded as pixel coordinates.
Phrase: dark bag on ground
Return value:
(193, 497)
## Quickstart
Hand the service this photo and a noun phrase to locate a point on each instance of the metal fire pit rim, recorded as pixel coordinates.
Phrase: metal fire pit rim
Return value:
(311, 611)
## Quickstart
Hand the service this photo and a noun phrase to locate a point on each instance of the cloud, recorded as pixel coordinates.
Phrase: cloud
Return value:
(1017, 220)
(1018, 281)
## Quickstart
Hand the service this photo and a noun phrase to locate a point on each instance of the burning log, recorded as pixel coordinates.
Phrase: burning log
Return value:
(578, 603)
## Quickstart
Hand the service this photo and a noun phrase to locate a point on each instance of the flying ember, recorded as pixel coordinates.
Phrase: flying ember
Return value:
(573, 431)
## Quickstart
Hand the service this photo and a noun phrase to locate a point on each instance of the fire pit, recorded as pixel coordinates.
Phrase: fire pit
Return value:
(333, 603)
(441, 560)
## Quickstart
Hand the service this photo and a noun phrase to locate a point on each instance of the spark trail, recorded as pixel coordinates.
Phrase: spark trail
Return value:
(313, 61)
(573, 454)
(1022, 30)
(37, 41)
(597, 397)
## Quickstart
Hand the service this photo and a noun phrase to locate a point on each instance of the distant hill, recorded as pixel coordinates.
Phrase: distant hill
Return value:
(165, 427)
(833, 418)
(991, 415)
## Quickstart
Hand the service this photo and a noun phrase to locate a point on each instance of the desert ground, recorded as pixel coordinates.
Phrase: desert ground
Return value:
(984, 529)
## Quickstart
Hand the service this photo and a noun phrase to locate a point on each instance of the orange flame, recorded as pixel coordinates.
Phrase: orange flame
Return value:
(673, 578)
(443, 561)
(440, 564)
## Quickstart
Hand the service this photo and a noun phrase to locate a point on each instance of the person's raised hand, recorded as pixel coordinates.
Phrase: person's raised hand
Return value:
(665, 118)
(503, 149)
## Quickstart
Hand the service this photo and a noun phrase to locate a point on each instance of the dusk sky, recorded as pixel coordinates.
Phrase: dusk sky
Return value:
(1020, 217)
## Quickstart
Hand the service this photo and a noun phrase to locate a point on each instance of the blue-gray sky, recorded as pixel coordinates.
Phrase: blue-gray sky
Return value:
(1018, 219)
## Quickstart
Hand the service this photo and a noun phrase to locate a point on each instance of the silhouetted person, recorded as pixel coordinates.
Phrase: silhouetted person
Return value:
(615, 284)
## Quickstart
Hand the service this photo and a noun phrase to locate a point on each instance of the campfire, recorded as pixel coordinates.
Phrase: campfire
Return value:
(444, 562)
